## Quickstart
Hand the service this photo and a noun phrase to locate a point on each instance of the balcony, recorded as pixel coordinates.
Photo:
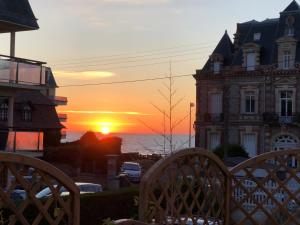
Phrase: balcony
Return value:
(24, 73)
(276, 118)
(62, 117)
(58, 100)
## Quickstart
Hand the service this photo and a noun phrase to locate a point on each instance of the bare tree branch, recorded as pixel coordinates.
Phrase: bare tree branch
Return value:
(178, 122)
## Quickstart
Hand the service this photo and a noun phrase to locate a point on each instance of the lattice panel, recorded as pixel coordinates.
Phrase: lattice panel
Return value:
(189, 187)
(21, 201)
(266, 190)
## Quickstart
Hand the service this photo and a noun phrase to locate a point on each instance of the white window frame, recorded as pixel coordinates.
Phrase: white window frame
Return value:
(251, 97)
(255, 94)
(286, 101)
(278, 98)
(250, 153)
(286, 60)
(256, 36)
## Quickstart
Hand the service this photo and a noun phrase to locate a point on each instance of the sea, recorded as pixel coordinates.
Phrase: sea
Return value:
(144, 144)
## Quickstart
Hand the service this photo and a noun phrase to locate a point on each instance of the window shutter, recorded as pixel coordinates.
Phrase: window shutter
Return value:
(250, 143)
(214, 140)
(251, 61)
(216, 103)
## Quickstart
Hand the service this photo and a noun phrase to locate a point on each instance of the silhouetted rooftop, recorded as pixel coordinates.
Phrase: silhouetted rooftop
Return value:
(16, 15)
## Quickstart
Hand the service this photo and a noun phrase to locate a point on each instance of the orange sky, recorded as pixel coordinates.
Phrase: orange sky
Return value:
(96, 41)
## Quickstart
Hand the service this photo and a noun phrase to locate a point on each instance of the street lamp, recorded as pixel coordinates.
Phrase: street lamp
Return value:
(190, 125)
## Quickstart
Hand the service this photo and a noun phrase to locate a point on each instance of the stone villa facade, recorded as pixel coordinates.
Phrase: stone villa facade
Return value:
(248, 92)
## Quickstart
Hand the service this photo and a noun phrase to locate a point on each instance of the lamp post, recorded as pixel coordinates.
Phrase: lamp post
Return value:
(190, 124)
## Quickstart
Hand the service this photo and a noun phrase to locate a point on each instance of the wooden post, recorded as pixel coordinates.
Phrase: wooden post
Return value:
(12, 44)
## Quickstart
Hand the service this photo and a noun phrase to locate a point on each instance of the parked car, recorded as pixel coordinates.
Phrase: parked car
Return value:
(83, 187)
(132, 170)
(18, 195)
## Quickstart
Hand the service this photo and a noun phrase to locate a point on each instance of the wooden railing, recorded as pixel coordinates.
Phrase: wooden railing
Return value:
(194, 187)
(22, 178)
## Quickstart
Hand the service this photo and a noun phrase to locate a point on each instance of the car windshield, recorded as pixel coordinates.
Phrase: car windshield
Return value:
(47, 192)
(131, 167)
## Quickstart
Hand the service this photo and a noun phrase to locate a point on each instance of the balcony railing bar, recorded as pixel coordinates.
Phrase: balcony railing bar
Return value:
(24, 60)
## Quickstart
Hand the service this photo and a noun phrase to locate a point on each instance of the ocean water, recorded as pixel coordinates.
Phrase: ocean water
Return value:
(143, 143)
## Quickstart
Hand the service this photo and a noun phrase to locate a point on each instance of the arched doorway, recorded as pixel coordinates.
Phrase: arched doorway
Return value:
(284, 142)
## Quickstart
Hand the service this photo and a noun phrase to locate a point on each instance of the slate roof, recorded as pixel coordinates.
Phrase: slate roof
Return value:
(271, 30)
(225, 47)
(16, 15)
(294, 6)
(44, 114)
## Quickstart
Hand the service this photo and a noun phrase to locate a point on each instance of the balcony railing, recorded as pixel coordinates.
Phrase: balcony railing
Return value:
(22, 71)
(278, 118)
(62, 117)
(214, 117)
(58, 100)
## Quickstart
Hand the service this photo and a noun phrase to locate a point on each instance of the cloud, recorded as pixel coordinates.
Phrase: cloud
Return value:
(84, 74)
(104, 112)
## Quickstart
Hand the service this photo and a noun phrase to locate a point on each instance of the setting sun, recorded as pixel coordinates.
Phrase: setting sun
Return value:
(105, 130)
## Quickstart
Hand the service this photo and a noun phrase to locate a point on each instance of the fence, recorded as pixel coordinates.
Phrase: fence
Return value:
(34, 192)
(194, 187)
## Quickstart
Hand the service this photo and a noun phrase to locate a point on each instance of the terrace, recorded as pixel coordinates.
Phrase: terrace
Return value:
(22, 73)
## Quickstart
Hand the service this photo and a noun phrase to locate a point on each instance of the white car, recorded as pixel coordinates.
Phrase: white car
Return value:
(83, 187)
(132, 170)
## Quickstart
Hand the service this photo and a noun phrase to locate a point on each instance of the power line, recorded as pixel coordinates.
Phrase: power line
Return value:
(135, 61)
(134, 53)
(141, 65)
(141, 57)
(126, 81)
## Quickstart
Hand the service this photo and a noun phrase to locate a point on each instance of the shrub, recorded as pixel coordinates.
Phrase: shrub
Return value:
(232, 151)
(95, 208)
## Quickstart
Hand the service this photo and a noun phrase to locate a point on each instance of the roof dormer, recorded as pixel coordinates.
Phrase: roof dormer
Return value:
(287, 47)
(251, 56)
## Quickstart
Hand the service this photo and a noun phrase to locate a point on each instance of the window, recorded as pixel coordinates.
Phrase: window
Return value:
(250, 102)
(286, 59)
(286, 103)
(3, 112)
(249, 142)
(289, 31)
(26, 114)
(251, 58)
(216, 103)
(256, 36)
(217, 67)
(214, 140)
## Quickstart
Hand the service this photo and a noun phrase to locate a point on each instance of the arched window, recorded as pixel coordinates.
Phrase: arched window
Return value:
(3, 112)
(26, 113)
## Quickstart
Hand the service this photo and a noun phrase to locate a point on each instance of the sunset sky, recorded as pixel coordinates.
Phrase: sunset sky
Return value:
(96, 41)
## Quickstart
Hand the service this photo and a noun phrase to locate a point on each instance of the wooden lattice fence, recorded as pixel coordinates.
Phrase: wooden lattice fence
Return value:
(194, 187)
(22, 178)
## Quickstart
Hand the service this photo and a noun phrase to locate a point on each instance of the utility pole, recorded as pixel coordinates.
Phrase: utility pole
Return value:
(170, 108)
(190, 124)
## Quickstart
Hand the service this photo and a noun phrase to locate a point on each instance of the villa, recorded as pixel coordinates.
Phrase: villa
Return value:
(248, 90)
(28, 118)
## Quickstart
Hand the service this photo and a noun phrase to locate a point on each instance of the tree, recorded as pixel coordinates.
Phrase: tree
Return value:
(169, 123)
(231, 150)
